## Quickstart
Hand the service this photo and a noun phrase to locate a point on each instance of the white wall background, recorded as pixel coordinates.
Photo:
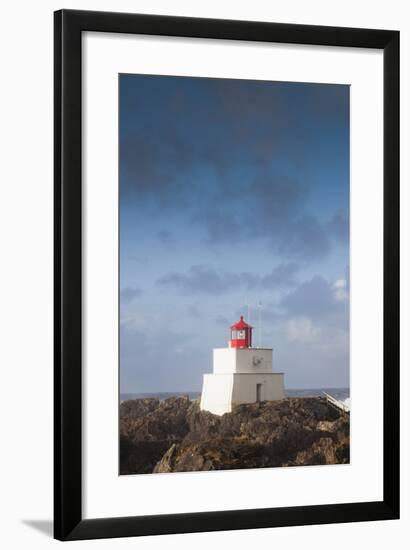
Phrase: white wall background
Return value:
(26, 111)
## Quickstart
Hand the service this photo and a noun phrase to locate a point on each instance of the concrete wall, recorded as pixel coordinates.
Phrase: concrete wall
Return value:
(221, 391)
(249, 360)
(216, 394)
(244, 387)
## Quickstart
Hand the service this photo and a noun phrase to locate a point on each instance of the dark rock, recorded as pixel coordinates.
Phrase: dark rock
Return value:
(177, 436)
(322, 451)
(136, 408)
(166, 464)
(167, 421)
(219, 454)
(202, 424)
(141, 456)
(148, 429)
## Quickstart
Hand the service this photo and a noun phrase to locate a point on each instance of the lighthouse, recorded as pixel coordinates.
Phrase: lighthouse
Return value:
(241, 374)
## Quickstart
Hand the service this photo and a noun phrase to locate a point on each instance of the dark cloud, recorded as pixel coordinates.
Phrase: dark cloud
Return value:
(217, 164)
(262, 207)
(222, 320)
(194, 311)
(165, 236)
(305, 238)
(328, 103)
(199, 279)
(272, 208)
(275, 198)
(150, 163)
(180, 120)
(130, 293)
(339, 226)
(282, 275)
(221, 225)
(205, 280)
(244, 135)
(143, 260)
(317, 300)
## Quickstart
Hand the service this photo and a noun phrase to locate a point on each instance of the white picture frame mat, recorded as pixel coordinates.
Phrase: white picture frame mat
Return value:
(105, 493)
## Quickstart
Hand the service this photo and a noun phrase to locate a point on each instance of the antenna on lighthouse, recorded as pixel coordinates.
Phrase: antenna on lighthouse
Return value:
(248, 312)
(260, 322)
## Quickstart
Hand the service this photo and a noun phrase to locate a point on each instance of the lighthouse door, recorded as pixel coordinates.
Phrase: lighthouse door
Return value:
(258, 393)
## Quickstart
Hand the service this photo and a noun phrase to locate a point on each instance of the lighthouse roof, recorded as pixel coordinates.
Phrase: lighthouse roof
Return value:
(241, 324)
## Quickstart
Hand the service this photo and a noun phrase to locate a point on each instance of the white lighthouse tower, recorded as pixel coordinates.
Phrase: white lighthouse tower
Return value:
(241, 374)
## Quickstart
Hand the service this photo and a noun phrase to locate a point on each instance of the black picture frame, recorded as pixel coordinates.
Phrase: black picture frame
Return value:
(68, 521)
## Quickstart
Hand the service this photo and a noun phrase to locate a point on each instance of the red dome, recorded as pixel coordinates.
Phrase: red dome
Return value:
(240, 325)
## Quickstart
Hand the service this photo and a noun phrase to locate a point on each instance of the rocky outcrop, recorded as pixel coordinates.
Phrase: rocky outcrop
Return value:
(176, 436)
(148, 427)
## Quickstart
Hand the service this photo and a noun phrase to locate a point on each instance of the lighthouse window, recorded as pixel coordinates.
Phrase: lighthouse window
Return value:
(238, 334)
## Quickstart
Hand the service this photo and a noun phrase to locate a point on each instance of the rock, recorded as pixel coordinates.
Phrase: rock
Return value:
(137, 408)
(166, 464)
(322, 451)
(177, 436)
(212, 455)
(148, 429)
(202, 424)
(166, 421)
(140, 457)
(325, 426)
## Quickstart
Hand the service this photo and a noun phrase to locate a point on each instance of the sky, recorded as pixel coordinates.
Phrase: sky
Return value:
(232, 193)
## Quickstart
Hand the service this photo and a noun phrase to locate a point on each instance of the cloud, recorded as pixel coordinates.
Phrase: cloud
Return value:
(341, 289)
(324, 303)
(142, 260)
(261, 207)
(339, 226)
(165, 236)
(231, 154)
(305, 239)
(302, 330)
(222, 320)
(221, 165)
(194, 311)
(149, 163)
(316, 325)
(313, 299)
(205, 280)
(129, 294)
(199, 279)
(271, 207)
(281, 275)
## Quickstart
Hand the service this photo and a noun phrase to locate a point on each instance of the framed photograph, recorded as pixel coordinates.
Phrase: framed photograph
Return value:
(226, 274)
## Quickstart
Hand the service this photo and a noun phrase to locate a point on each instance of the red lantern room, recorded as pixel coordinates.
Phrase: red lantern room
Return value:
(241, 335)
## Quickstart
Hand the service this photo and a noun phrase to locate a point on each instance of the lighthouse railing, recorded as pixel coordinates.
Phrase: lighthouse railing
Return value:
(336, 403)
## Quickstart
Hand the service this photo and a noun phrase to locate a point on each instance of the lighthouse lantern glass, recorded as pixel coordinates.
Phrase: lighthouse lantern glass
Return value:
(241, 335)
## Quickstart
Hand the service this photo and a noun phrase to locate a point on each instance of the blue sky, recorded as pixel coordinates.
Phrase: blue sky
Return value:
(232, 192)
